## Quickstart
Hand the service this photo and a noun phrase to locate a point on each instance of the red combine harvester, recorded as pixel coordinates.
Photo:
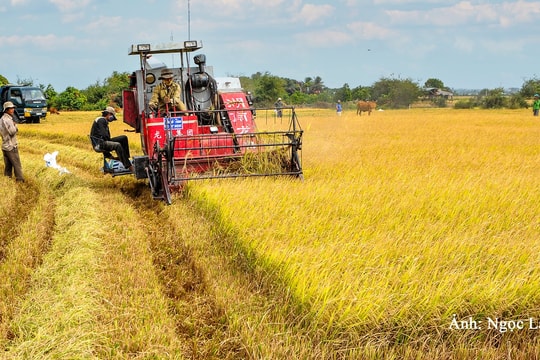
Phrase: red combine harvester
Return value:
(216, 137)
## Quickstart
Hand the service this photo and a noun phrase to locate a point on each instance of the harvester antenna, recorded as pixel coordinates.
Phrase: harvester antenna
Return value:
(172, 55)
(188, 21)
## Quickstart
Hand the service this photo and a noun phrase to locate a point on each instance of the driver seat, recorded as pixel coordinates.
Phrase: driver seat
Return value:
(107, 155)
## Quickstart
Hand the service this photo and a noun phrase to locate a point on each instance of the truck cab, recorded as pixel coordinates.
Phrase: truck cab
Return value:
(30, 102)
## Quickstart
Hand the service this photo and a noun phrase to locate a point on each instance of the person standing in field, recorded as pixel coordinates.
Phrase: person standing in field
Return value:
(339, 108)
(166, 95)
(279, 108)
(10, 151)
(536, 104)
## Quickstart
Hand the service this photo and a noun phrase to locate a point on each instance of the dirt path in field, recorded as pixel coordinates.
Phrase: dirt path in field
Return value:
(16, 213)
(200, 320)
(25, 236)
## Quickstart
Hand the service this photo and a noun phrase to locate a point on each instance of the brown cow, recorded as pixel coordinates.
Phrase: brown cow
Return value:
(54, 110)
(365, 106)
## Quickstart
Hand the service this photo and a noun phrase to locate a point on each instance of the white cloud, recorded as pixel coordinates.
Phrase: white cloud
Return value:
(519, 12)
(47, 42)
(464, 44)
(509, 47)
(235, 7)
(445, 16)
(401, 2)
(250, 45)
(102, 24)
(228, 6)
(274, 3)
(369, 30)
(323, 38)
(310, 13)
(69, 5)
(466, 12)
(73, 17)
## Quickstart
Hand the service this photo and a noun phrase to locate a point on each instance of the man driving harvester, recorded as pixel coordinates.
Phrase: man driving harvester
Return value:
(166, 95)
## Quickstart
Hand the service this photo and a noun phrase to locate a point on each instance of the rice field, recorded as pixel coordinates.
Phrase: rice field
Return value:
(414, 234)
(405, 220)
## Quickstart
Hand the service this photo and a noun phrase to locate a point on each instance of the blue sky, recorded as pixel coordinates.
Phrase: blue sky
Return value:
(466, 44)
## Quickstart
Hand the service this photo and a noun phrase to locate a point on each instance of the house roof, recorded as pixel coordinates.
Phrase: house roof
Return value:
(439, 92)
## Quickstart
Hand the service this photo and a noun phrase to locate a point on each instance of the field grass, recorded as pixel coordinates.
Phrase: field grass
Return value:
(405, 218)
(409, 226)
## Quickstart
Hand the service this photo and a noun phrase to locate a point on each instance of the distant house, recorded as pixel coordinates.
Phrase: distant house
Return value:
(434, 93)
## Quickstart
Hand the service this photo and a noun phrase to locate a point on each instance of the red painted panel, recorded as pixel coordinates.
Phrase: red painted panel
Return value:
(239, 112)
(130, 108)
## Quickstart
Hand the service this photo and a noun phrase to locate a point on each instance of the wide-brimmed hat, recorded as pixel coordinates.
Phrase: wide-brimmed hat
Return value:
(8, 105)
(536, 95)
(166, 74)
(110, 110)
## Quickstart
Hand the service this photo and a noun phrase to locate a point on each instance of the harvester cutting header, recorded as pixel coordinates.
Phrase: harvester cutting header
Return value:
(211, 133)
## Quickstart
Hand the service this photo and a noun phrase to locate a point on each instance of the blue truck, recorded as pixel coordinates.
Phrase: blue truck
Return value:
(30, 102)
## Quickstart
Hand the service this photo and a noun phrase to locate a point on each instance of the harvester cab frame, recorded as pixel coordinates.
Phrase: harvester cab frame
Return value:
(216, 137)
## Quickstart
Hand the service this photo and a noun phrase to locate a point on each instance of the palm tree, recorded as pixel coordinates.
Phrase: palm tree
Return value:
(308, 82)
(318, 85)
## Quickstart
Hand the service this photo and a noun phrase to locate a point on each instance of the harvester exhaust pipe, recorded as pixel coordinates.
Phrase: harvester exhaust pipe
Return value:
(201, 61)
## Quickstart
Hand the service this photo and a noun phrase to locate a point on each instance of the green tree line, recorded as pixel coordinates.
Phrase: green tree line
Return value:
(389, 92)
(95, 97)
